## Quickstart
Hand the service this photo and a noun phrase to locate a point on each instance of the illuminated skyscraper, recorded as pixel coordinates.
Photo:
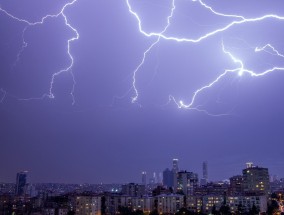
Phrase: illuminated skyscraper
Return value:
(175, 165)
(144, 178)
(175, 170)
(21, 182)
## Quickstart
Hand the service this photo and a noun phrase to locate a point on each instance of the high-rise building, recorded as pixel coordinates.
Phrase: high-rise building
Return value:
(175, 170)
(21, 183)
(187, 182)
(133, 189)
(144, 178)
(256, 179)
(160, 178)
(205, 170)
(204, 179)
(155, 177)
(175, 165)
(168, 178)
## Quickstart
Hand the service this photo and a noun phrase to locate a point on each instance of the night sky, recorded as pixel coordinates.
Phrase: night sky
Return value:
(92, 132)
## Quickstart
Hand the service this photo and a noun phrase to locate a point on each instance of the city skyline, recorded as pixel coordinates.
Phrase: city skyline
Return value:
(181, 192)
(99, 91)
(156, 177)
(161, 178)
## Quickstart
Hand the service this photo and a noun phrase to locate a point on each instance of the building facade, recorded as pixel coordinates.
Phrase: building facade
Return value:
(169, 204)
(90, 205)
(21, 183)
(187, 182)
(204, 179)
(133, 189)
(245, 203)
(256, 180)
(168, 178)
(144, 178)
(236, 185)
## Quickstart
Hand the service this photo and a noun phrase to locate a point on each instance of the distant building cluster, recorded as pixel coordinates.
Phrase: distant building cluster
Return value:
(174, 191)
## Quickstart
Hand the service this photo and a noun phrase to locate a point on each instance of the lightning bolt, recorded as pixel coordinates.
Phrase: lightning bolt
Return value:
(216, 12)
(24, 45)
(269, 46)
(29, 24)
(241, 20)
(240, 70)
(135, 97)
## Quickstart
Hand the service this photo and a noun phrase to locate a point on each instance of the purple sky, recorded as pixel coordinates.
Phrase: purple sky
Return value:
(103, 137)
